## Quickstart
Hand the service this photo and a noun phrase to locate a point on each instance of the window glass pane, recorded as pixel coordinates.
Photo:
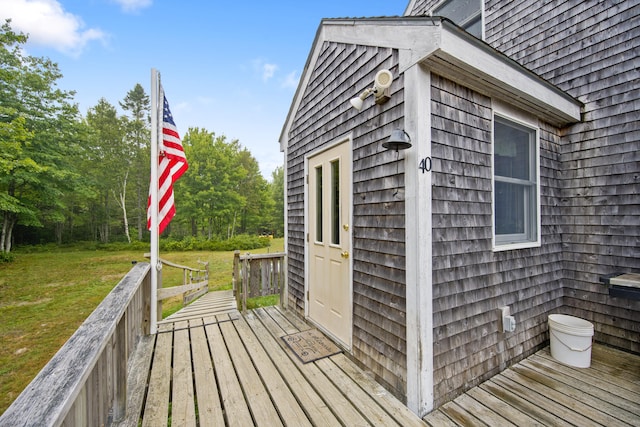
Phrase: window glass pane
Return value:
(319, 218)
(512, 151)
(335, 202)
(475, 27)
(515, 188)
(458, 11)
(510, 208)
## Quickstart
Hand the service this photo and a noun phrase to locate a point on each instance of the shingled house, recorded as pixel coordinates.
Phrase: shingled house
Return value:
(520, 188)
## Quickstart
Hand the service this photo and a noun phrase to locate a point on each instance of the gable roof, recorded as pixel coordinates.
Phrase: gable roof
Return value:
(449, 51)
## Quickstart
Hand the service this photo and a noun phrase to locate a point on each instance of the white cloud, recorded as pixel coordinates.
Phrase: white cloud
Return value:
(291, 80)
(133, 5)
(205, 100)
(48, 24)
(181, 106)
(268, 70)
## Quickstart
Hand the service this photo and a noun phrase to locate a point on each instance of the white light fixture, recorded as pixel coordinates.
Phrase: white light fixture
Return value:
(359, 100)
(381, 84)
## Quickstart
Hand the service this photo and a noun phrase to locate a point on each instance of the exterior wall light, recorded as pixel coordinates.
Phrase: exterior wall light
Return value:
(381, 84)
(398, 140)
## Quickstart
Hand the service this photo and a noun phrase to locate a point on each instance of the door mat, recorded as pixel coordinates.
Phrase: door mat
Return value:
(311, 345)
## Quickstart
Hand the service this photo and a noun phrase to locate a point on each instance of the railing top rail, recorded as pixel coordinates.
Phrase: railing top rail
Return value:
(49, 397)
(262, 256)
(172, 264)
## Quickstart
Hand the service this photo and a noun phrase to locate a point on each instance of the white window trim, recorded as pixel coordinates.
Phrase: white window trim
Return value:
(522, 118)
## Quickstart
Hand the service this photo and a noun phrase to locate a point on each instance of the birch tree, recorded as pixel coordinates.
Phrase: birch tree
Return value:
(110, 157)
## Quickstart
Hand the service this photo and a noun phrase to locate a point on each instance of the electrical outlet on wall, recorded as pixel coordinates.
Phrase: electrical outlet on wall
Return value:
(508, 321)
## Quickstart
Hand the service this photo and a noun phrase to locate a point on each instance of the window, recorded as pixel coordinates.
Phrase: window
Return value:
(319, 216)
(516, 188)
(465, 13)
(335, 202)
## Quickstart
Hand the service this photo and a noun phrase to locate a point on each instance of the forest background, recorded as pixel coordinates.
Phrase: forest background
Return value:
(66, 178)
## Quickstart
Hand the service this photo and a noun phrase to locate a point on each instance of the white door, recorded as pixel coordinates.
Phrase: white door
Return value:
(329, 287)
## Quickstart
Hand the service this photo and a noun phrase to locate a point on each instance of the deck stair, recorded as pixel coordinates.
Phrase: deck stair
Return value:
(211, 304)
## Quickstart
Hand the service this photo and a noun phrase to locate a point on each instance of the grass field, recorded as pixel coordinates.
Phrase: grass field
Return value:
(44, 297)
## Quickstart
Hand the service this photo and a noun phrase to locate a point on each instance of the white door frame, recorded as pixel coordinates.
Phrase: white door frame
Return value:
(348, 198)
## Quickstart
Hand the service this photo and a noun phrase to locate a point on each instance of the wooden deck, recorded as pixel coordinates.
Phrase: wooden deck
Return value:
(541, 391)
(226, 369)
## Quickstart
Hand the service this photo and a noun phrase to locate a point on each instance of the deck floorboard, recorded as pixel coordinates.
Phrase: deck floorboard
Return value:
(212, 367)
(541, 391)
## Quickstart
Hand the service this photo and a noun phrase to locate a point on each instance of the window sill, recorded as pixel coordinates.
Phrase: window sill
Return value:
(514, 246)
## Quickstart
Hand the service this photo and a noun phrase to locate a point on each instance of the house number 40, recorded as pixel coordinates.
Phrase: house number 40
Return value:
(425, 165)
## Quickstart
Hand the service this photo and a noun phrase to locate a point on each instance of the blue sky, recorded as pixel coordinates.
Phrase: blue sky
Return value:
(229, 67)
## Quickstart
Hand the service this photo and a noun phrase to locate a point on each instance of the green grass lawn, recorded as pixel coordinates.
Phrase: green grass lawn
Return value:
(44, 297)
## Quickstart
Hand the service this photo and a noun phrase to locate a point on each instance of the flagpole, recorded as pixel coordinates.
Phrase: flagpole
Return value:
(155, 238)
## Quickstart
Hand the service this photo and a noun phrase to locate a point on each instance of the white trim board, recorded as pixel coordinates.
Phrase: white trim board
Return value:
(418, 241)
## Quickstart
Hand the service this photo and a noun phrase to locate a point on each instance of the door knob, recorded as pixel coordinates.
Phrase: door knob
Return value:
(345, 254)
(346, 227)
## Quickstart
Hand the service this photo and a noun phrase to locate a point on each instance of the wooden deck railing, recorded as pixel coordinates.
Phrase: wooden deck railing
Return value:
(257, 275)
(195, 283)
(85, 383)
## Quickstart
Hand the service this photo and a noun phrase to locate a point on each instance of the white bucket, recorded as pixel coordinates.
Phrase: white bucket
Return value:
(570, 340)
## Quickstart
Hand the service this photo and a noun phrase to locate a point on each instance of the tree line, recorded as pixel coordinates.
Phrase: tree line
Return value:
(67, 178)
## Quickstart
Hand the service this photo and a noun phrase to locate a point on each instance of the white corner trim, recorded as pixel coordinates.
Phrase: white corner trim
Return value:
(286, 227)
(418, 241)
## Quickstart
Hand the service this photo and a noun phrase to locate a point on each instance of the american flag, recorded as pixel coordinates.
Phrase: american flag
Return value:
(172, 163)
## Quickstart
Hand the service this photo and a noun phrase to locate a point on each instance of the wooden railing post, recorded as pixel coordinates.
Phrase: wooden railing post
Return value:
(254, 284)
(246, 268)
(159, 302)
(281, 282)
(146, 304)
(236, 273)
(120, 375)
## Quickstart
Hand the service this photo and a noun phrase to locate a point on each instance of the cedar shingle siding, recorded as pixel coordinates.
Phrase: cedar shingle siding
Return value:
(470, 281)
(590, 50)
(590, 191)
(589, 185)
(378, 216)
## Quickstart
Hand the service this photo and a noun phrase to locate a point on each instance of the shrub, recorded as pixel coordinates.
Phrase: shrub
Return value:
(242, 242)
(6, 257)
